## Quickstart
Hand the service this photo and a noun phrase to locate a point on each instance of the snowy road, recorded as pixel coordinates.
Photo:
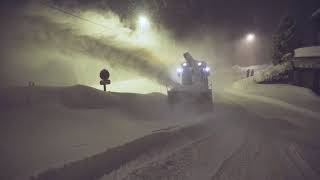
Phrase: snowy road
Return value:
(247, 136)
(271, 143)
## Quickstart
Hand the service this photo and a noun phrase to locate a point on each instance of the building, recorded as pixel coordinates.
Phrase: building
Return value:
(306, 68)
(306, 61)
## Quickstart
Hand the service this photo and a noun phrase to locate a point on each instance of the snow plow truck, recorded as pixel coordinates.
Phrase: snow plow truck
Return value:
(193, 87)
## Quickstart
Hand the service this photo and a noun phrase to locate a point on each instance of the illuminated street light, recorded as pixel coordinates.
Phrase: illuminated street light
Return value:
(250, 37)
(143, 22)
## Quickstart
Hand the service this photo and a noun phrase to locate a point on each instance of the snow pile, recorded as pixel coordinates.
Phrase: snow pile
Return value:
(273, 73)
(79, 97)
(43, 127)
(293, 96)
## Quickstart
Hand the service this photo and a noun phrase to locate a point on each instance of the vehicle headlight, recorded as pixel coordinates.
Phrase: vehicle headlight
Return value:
(179, 70)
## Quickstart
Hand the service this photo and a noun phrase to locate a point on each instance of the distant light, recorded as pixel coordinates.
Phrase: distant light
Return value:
(184, 64)
(199, 63)
(207, 69)
(179, 70)
(250, 37)
(143, 22)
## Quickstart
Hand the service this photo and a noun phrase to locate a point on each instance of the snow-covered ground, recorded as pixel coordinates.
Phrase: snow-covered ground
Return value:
(256, 131)
(43, 127)
(295, 96)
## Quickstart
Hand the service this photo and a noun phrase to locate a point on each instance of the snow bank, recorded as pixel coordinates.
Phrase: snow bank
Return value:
(273, 73)
(299, 97)
(278, 73)
(43, 127)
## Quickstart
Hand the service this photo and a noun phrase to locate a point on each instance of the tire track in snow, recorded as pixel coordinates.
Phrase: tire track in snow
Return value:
(301, 163)
(97, 166)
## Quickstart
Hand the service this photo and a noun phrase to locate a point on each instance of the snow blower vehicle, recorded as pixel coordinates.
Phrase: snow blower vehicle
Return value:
(193, 87)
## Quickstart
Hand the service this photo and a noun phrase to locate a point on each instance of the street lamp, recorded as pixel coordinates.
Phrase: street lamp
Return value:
(143, 22)
(250, 37)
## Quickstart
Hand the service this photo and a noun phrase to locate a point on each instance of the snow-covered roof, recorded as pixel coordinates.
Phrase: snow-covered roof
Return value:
(308, 57)
(313, 51)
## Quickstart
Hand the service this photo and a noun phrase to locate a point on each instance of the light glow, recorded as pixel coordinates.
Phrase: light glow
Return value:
(143, 22)
(250, 37)
(199, 63)
(207, 69)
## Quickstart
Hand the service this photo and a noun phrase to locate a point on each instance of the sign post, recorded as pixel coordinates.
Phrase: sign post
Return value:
(104, 75)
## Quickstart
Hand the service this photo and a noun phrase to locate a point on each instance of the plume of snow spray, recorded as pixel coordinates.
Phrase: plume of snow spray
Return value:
(45, 32)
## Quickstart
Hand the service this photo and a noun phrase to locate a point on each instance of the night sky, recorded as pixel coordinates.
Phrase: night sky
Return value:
(229, 20)
(183, 16)
(37, 39)
(231, 16)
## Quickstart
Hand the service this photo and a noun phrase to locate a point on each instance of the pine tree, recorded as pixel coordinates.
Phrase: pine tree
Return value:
(285, 39)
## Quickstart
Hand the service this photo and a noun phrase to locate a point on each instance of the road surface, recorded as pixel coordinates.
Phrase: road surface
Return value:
(249, 139)
(245, 138)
